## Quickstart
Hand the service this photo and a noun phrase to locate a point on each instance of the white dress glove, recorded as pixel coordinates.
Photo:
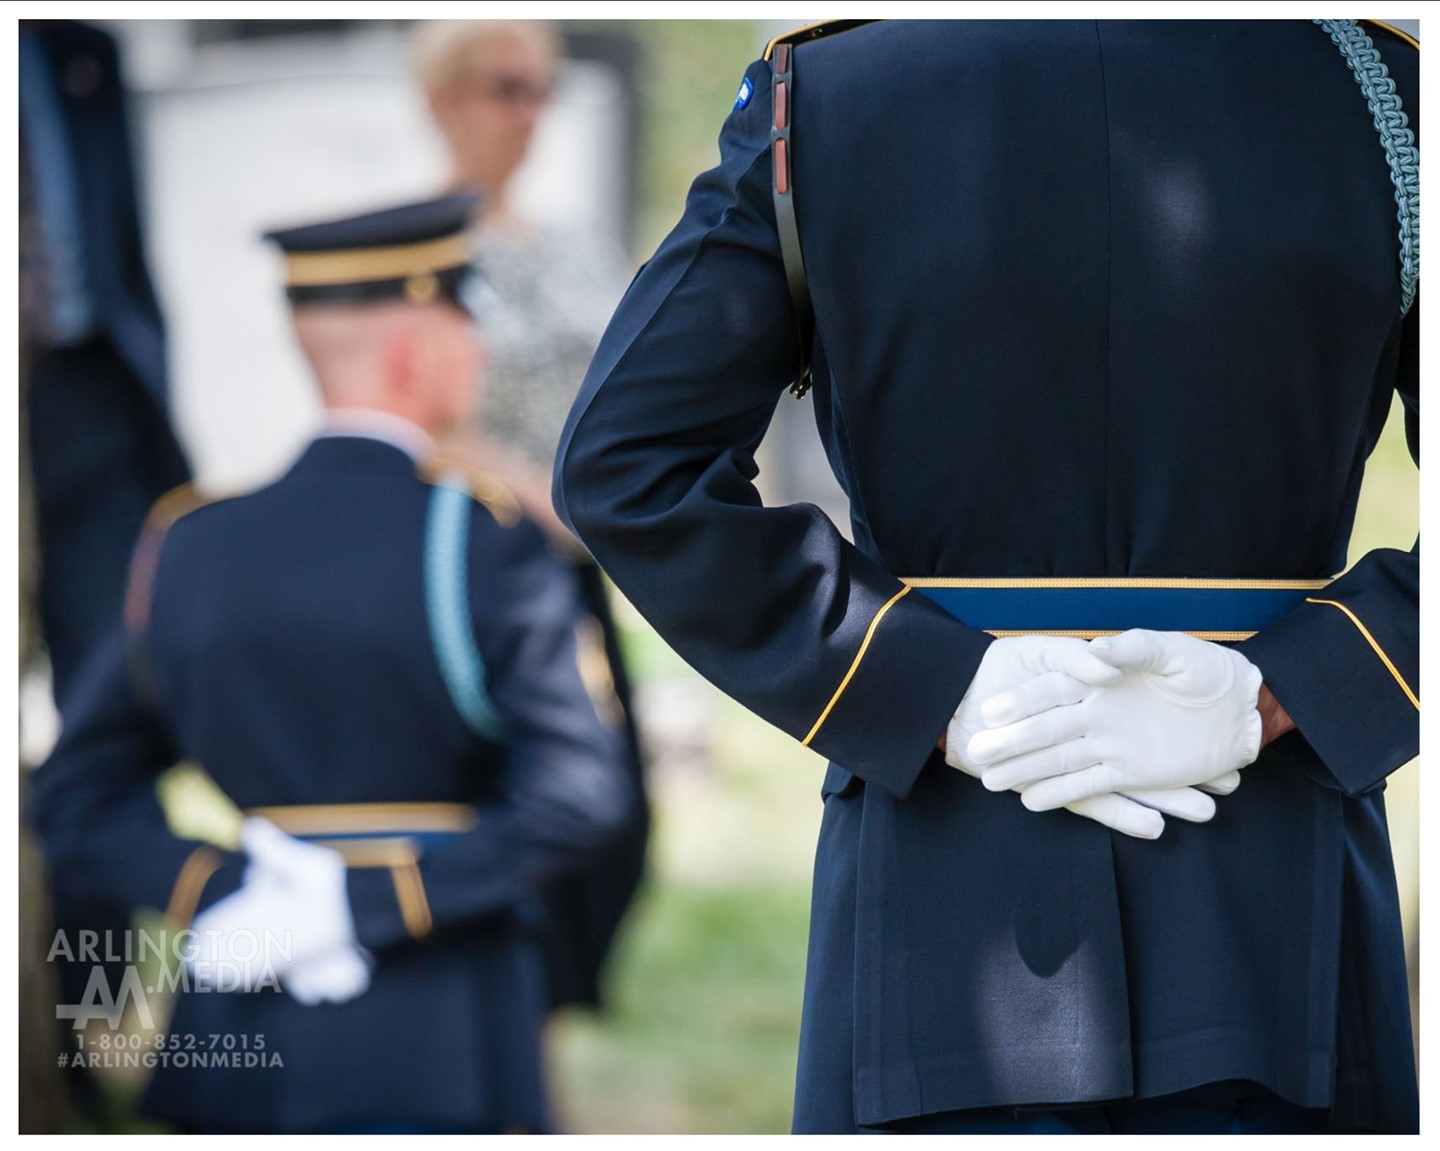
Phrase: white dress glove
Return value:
(1060, 670)
(289, 921)
(333, 977)
(1183, 714)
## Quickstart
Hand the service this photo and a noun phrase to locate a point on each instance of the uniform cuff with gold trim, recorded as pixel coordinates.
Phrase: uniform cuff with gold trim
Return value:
(207, 876)
(383, 909)
(901, 694)
(1342, 696)
(229, 877)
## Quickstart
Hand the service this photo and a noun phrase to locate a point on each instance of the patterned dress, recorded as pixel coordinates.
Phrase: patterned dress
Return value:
(550, 294)
(553, 293)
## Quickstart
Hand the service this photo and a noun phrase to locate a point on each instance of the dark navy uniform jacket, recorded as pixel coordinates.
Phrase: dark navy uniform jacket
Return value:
(1090, 300)
(287, 650)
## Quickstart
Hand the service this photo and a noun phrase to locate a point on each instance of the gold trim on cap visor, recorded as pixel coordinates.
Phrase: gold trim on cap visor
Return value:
(396, 262)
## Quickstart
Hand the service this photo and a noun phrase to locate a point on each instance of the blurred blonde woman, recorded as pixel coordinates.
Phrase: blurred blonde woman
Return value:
(487, 83)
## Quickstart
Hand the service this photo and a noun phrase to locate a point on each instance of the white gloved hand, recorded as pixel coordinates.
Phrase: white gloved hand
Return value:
(1184, 714)
(291, 916)
(332, 977)
(1060, 671)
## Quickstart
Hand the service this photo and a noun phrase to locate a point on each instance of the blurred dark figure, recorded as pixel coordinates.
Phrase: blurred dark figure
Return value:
(487, 83)
(377, 657)
(93, 364)
(101, 445)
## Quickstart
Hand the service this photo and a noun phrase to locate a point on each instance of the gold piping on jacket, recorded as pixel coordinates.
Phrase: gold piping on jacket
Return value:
(485, 488)
(410, 894)
(397, 852)
(401, 857)
(1120, 582)
(190, 883)
(145, 557)
(390, 851)
(1409, 39)
(770, 47)
(367, 818)
(596, 673)
(393, 262)
(1370, 639)
(1212, 636)
(855, 664)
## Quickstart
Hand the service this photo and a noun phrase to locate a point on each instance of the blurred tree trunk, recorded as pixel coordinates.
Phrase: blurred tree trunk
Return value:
(42, 1085)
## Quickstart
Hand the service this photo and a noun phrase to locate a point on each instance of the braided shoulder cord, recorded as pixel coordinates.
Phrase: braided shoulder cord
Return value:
(447, 606)
(1396, 137)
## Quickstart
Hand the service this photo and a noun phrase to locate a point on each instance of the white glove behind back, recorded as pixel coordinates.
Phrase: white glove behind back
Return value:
(1183, 714)
(1056, 663)
(290, 921)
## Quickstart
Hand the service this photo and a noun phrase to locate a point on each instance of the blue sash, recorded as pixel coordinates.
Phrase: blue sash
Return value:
(1222, 610)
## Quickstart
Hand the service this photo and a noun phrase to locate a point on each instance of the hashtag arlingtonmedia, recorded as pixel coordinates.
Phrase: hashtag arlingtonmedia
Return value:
(215, 1060)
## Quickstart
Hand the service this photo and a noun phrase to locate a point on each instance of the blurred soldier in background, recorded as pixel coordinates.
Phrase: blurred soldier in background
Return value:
(379, 659)
(100, 440)
(1102, 321)
(92, 374)
(486, 83)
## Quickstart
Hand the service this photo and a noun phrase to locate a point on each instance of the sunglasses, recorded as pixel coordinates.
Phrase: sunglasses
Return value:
(513, 90)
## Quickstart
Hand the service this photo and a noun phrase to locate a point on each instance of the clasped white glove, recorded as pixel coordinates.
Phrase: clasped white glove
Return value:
(290, 921)
(331, 977)
(1053, 672)
(1183, 714)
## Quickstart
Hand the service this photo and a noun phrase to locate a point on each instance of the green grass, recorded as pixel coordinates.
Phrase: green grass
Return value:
(705, 1017)
(693, 69)
(1389, 511)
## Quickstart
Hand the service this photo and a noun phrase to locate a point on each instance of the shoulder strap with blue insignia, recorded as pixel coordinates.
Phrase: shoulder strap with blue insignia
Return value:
(782, 61)
(447, 603)
(1396, 138)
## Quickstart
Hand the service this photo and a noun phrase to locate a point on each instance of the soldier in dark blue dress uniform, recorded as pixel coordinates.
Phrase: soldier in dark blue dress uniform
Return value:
(1102, 321)
(101, 443)
(381, 662)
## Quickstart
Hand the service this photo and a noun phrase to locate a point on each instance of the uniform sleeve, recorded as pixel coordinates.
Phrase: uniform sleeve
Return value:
(565, 789)
(95, 806)
(655, 474)
(1345, 664)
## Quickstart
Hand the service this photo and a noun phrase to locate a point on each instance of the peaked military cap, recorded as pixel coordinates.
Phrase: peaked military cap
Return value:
(416, 252)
